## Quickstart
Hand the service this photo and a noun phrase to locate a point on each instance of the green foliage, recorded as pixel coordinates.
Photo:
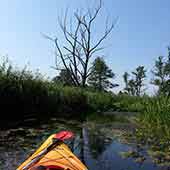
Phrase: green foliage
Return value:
(74, 97)
(140, 74)
(64, 77)
(25, 94)
(134, 85)
(100, 101)
(100, 75)
(153, 128)
(124, 102)
(161, 74)
(156, 117)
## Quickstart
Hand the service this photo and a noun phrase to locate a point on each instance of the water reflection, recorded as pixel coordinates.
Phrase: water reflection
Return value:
(97, 150)
(106, 156)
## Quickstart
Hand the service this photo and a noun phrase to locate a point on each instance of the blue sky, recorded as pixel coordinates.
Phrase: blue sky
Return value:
(141, 34)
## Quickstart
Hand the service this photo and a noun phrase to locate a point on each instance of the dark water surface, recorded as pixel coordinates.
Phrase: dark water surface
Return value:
(99, 150)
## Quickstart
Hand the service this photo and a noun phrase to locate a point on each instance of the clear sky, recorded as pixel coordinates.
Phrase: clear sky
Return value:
(141, 34)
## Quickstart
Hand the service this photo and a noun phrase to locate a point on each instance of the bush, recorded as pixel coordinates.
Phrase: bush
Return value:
(100, 101)
(128, 103)
(25, 94)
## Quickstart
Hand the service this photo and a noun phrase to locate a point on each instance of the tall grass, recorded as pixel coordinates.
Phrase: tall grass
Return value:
(156, 117)
(25, 94)
(100, 101)
(128, 103)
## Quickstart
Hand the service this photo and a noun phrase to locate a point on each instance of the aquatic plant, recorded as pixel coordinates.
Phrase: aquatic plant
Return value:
(156, 117)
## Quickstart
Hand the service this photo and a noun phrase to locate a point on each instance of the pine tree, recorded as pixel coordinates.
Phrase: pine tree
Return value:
(100, 75)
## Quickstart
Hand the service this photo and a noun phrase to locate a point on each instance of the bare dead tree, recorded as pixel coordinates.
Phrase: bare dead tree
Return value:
(76, 53)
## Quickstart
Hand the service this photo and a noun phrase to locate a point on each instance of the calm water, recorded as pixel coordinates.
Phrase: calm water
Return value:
(109, 158)
(97, 150)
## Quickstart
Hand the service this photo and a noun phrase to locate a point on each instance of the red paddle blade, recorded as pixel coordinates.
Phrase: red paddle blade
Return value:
(63, 135)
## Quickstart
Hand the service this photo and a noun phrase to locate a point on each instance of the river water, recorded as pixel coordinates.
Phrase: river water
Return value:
(97, 145)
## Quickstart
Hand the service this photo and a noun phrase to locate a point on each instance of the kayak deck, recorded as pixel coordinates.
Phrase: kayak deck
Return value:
(59, 157)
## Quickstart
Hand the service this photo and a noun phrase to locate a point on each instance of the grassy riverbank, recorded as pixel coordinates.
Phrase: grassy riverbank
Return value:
(151, 127)
(154, 129)
(25, 94)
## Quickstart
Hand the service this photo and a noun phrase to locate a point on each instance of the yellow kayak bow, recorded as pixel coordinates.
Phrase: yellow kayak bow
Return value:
(54, 154)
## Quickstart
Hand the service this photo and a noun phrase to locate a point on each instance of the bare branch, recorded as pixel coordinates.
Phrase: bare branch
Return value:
(96, 50)
(78, 57)
(48, 37)
(61, 55)
(75, 55)
(96, 13)
(107, 32)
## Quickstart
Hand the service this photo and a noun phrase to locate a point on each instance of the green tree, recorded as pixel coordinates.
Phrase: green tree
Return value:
(131, 88)
(100, 75)
(139, 76)
(134, 85)
(161, 73)
(64, 78)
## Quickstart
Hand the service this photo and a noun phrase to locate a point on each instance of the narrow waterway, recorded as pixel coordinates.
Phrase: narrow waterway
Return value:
(99, 146)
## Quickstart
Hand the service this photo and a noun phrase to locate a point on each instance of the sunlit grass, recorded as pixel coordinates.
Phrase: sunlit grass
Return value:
(156, 116)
